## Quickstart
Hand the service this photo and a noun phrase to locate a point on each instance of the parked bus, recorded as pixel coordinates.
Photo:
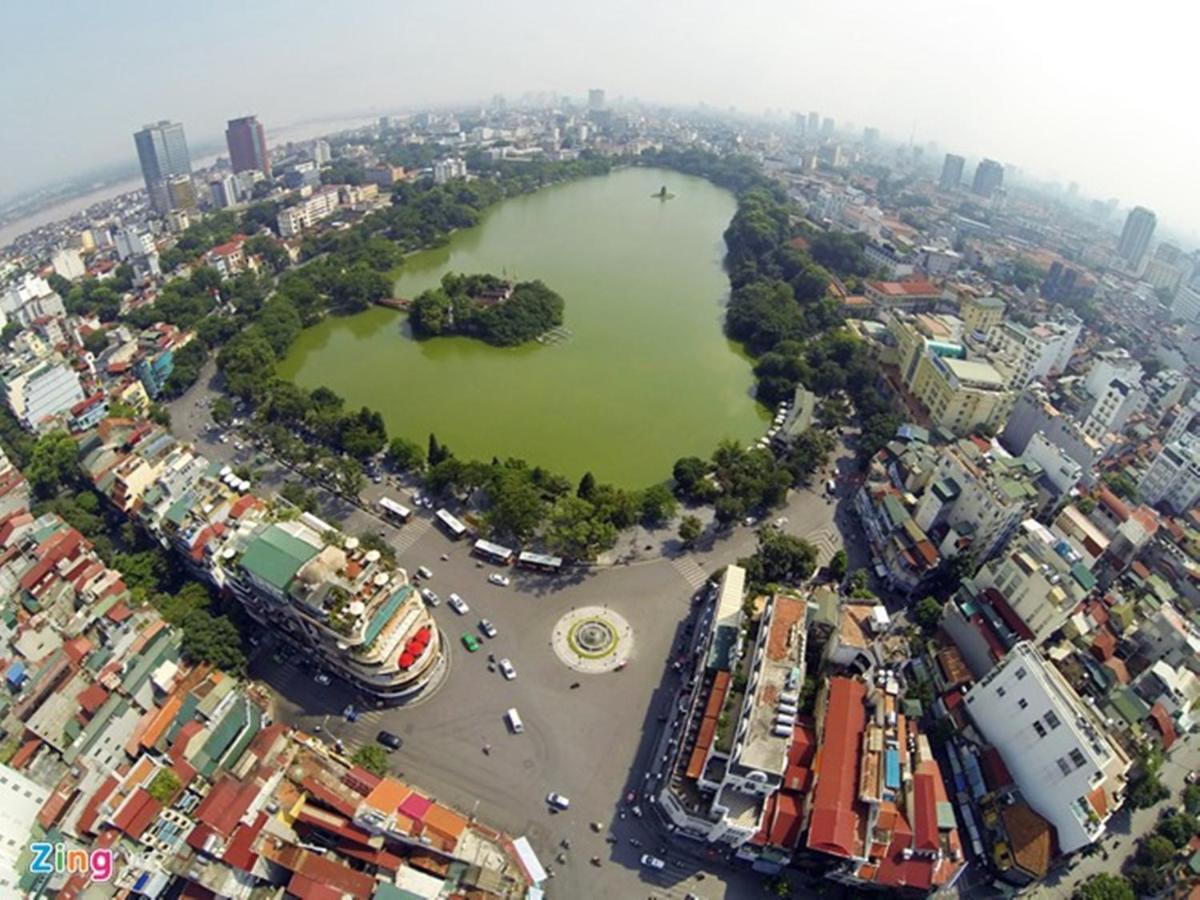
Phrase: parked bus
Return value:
(394, 511)
(540, 562)
(493, 552)
(453, 526)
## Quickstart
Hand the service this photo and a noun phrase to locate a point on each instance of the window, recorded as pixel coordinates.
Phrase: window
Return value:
(1000, 692)
(1064, 765)
(1040, 729)
(1021, 673)
(1023, 703)
(1052, 720)
(1078, 758)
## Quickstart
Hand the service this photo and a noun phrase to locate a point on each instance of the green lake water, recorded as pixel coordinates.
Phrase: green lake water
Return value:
(646, 375)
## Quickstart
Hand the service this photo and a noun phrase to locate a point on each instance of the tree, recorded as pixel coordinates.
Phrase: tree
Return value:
(299, 496)
(405, 455)
(222, 410)
(1145, 880)
(95, 342)
(860, 584)
(144, 571)
(928, 614)
(214, 639)
(1191, 799)
(575, 531)
(688, 474)
(690, 528)
(1146, 790)
(658, 505)
(163, 786)
(517, 507)
(437, 452)
(372, 758)
(780, 558)
(838, 564)
(780, 886)
(52, 463)
(1155, 851)
(1178, 828)
(587, 486)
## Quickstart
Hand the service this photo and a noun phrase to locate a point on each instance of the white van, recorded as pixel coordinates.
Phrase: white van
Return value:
(514, 721)
(424, 572)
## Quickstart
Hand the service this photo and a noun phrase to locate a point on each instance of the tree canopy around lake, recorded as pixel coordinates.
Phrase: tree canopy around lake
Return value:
(488, 308)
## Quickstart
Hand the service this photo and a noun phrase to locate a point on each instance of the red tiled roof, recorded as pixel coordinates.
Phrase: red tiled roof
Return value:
(225, 804)
(136, 814)
(995, 772)
(1104, 644)
(92, 698)
(834, 824)
(1161, 719)
(239, 853)
(925, 828)
(788, 823)
(1115, 504)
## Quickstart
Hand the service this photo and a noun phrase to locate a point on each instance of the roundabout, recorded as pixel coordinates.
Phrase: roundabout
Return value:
(592, 640)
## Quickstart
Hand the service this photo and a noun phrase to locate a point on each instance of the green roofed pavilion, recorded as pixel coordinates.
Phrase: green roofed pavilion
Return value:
(274, 556)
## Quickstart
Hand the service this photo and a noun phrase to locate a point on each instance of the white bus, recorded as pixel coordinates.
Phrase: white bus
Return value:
(453, 526)
(540, 561)
(394, 511)
(493, 552)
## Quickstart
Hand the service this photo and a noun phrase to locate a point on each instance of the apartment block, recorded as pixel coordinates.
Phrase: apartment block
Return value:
(1053, 743)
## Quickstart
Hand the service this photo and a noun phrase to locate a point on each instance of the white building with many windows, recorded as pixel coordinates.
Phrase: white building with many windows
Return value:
(1053, 743)
(1174, 476)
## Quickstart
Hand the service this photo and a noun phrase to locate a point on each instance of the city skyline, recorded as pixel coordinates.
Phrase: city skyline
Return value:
(995, 105)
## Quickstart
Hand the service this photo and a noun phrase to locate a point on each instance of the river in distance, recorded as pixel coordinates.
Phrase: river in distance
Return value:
(642, 376)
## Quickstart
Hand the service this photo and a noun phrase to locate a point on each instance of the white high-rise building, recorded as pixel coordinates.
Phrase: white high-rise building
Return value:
(68, 263)
(1174, 476)
(46, 389)
(133, 242)
(1053, 744)
(1110, 365)
(445, 169)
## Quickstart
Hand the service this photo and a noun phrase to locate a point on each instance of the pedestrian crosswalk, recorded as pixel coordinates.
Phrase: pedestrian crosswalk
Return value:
(690, 570)
(827, 541)
(412, 532)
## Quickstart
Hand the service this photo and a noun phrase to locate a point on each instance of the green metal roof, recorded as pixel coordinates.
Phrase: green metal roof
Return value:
(275, 556)
(1083, 577)
(234, 754)
(385, 612)
(222, 738)
(1128, 705)
(179, 509)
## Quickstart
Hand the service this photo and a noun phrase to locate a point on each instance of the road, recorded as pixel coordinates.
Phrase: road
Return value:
(594, 743)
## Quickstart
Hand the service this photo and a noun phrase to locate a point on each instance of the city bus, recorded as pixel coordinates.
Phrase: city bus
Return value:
(493, 552)
(394, 511)
(540, 562)
(452, 526)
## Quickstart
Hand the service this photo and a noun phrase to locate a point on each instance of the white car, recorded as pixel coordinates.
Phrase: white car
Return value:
(430, 597)
(321, 678)
(558, 801)
(507, 670)
(486, 626)
(497, 578)
(458, 604)
(652, 862)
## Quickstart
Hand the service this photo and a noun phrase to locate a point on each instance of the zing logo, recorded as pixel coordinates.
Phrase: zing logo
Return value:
(49, 859)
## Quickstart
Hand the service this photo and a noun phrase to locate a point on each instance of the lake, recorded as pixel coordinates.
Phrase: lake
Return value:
(645, 375)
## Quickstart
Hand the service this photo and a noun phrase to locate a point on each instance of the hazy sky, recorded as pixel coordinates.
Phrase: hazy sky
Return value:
(1100, 93)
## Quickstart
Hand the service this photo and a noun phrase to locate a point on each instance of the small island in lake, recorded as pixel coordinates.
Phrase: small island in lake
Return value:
(488, 308)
